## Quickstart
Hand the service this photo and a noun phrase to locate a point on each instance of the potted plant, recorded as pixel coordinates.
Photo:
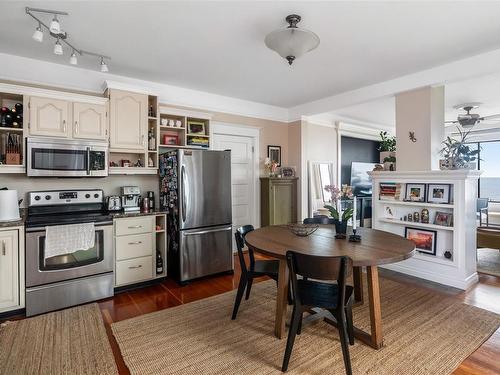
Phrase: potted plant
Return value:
(340, 218)
(390, 163)
(458, 154)
(387, 146)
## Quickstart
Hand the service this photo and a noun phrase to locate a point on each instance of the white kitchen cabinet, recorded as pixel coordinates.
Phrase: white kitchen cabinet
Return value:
(11, 269)
(90, 121)
(48, 117)
(128, 120)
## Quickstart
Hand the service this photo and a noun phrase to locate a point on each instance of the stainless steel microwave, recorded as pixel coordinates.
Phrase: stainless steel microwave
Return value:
(66, 158)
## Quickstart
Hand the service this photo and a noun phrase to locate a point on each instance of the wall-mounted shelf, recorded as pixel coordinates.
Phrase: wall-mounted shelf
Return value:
(417, 204)
(184, 147)
(415, 224)
(132, 170)
(20, 130)
(172, 127)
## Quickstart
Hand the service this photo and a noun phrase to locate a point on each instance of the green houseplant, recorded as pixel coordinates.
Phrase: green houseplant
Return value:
(340, 218)
(387, 146)
(457, 153)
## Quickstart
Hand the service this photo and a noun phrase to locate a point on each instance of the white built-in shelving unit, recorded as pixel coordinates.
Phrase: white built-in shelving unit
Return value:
(460, 238)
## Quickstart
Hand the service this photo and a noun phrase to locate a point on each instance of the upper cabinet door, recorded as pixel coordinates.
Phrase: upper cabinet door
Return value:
(89, 121)
(9, 270)
(48, 117)
(128, 120)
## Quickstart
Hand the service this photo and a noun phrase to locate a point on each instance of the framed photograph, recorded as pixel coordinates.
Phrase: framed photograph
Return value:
(438, 193)
(274, 154)
(444, 218)
(389, 212)
(288, 171)
(196, 127)
(424, 239)
(170, 140)
(415, 192)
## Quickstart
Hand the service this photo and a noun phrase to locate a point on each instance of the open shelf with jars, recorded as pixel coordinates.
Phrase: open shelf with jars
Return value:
(12, 113)
(184, 129)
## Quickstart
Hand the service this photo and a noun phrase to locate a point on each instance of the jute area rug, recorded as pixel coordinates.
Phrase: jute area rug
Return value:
(424, 333)
(71, 341)
(488, 261)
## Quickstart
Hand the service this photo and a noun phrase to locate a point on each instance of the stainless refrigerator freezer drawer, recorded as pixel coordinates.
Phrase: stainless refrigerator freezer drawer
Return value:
(205, 251)
(68, 293)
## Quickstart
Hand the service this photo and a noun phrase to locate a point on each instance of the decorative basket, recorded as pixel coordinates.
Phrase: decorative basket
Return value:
(302, 230)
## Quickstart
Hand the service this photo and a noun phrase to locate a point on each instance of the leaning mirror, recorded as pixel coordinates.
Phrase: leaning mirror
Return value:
(320, 175)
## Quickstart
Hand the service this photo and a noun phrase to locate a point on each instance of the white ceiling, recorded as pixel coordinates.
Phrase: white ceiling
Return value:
(484, 89)
(218, 46)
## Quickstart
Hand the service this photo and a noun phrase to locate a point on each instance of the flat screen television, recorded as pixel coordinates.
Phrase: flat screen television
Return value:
(361, 181)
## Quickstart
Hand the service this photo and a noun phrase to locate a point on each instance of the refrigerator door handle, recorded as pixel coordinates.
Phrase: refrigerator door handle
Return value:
(183, 192)
(206, 231)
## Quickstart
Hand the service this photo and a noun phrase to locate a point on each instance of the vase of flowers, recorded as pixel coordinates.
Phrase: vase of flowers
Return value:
(271, 167)
(340, 218)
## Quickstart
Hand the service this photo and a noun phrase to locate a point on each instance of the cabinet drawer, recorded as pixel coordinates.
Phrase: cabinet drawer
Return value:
(135, 246)
(134, 270)
(134, 225)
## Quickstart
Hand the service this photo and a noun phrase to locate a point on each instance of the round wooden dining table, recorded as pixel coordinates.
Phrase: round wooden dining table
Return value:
(376, 248)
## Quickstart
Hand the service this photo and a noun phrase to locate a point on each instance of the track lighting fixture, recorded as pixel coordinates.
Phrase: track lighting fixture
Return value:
(104, 66)
(55, 27)
(58, 50)
(61, 37)
(38, 34)
(73, 60)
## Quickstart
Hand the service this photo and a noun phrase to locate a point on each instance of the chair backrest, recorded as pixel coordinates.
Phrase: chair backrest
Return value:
(319, 268)
(481, 203)
(239, 236)
(320, 219)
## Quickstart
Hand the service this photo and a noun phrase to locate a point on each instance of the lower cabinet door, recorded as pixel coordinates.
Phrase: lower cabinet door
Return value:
(134, 270)
(9, 270)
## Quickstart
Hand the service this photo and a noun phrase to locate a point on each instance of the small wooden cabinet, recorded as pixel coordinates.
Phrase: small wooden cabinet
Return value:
(48, 117)
(128, 120)
(11, 269)
(278, 200)
(89, 121)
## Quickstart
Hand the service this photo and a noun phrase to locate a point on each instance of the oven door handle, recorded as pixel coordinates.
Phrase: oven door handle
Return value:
(88, 161)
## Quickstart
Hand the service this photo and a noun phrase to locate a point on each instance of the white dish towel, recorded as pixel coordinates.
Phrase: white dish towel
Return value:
(66, 239)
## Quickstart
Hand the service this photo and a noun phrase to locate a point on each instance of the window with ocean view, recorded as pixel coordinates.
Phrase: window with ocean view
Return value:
(489, 183)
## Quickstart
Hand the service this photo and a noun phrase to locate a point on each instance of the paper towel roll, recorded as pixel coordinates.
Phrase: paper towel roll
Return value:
(9, 207)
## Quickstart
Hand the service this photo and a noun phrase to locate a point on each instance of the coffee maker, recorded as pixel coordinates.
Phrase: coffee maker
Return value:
(130, 198)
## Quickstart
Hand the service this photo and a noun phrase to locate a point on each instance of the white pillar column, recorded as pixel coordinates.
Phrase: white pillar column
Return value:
(420, 111)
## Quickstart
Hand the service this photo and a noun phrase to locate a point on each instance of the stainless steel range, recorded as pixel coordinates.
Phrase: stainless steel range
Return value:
(70, 279)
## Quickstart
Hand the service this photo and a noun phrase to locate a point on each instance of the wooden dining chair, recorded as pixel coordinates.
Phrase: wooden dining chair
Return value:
(322, 219)
(256, 268)
(337, 297)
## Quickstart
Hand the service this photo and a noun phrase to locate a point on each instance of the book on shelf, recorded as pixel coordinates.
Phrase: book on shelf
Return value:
(388, 190)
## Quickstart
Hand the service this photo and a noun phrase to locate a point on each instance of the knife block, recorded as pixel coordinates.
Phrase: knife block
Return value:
(12, 158)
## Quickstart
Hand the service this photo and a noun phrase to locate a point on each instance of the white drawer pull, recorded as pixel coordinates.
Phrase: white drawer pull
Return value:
(134, 267)
(135, 243)
(135, 227)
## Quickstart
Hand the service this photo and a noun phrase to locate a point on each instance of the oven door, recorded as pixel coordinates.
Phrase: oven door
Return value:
(41, 270)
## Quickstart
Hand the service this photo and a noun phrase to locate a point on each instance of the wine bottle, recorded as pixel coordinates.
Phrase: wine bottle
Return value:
(159, 263)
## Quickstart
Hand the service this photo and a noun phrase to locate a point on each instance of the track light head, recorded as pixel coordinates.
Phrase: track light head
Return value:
(38, 34)
(104, 66)
(55, 27)
(58, 50)
(73, 59)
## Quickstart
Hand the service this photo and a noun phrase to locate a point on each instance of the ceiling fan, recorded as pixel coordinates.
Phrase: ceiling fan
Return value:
(468, 120)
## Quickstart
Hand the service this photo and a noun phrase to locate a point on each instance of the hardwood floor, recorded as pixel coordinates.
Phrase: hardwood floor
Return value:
(128, 304)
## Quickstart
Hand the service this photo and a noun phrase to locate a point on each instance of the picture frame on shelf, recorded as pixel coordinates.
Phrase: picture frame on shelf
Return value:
(424, 239)
(443, 218)
(196, 127)
(170, 140)
(274, 154)
(389, 212)
(288, 172)
(415, 192)
(439, 193)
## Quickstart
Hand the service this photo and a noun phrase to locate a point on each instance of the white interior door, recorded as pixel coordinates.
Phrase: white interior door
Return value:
(242, 176)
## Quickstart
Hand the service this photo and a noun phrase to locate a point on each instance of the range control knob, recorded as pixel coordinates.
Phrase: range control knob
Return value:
(47, 197)
(87, 195)
(37, 197)
(96, 195)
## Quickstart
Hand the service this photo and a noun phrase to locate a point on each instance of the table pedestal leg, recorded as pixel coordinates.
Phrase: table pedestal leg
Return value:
(375, 311)
(281, 300)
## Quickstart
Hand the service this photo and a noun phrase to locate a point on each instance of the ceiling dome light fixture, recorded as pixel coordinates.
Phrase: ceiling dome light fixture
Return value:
(61, 37)
(38, 34)
(58, 50)
(292, 42)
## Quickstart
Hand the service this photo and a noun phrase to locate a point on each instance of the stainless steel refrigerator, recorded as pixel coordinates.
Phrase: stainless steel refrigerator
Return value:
(195, 190)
